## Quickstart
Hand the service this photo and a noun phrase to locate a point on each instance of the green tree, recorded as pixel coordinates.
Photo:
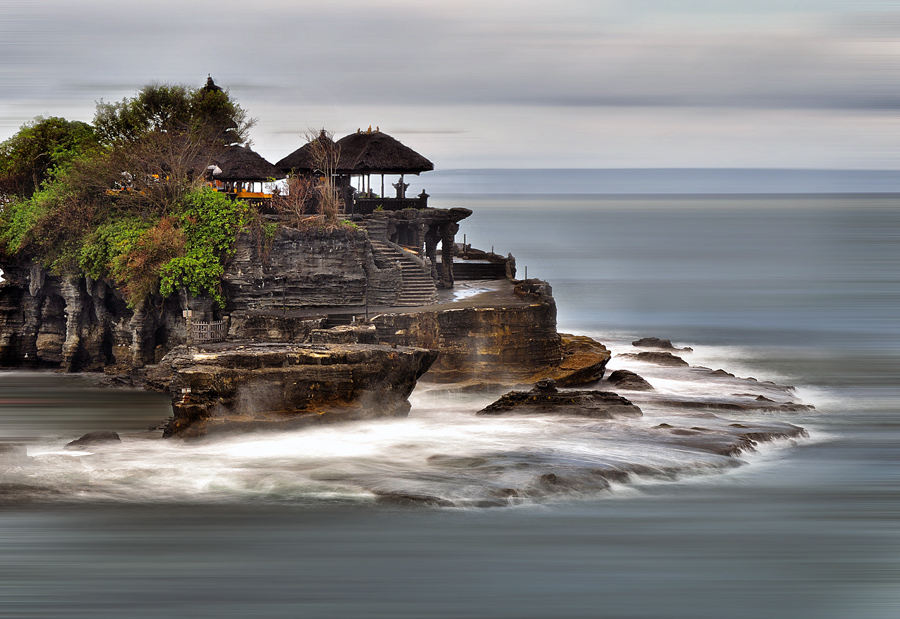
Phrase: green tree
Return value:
(208, 113)
(40, 149)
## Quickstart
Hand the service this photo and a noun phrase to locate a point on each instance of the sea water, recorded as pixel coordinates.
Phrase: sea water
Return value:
(799, 290)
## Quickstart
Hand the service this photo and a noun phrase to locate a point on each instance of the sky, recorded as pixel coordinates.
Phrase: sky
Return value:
(810, 84)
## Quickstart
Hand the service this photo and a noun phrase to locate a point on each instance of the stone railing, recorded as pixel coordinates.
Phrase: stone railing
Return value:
(366, 206)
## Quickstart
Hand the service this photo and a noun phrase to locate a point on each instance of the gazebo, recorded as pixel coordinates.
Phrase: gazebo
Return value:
(240, 172)
(303, 160)
(365, 153)
(361, 155)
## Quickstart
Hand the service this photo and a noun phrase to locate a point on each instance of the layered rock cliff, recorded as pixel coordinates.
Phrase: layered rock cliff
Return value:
(218, 387)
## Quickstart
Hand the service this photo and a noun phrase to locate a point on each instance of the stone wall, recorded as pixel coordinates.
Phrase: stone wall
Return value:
(310, 268)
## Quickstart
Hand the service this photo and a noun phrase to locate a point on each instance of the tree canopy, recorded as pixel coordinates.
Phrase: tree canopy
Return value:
(125, 199)
(207, 113)
(40, 149)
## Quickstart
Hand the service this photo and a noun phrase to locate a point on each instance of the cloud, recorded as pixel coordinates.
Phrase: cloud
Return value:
(298, 63)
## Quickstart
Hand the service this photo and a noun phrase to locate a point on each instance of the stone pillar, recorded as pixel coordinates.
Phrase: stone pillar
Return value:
(448, 241)
(74, 297)
(432, 236)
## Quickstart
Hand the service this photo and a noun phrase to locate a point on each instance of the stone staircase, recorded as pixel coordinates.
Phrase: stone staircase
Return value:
(417, 288)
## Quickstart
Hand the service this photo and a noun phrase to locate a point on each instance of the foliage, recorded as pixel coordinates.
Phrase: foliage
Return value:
(325, 155)
(206, 113)
(39, 150)
(211, 223)
(125, 203)
(300, 200)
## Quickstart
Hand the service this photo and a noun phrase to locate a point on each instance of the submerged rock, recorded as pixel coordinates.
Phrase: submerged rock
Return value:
(726, 440)
(626, 379)
(94, 438)
(545, 399)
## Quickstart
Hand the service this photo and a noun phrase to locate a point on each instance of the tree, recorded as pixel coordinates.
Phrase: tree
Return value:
(207, 113)
(41, 149)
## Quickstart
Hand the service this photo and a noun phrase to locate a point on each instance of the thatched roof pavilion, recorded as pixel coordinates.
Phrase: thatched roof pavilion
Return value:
(363, 152)
(240, 163)
(302, 160)
(374, 152)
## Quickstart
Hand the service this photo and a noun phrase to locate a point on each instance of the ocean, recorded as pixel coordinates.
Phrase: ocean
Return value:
(797, 289)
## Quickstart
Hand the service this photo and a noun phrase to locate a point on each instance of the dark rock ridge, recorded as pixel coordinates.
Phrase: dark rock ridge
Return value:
(655, 342)
(94, 438)
(657, 358)
(626, 379)
(546, 399)
(285, 385)
(766, 405)
(725, 438)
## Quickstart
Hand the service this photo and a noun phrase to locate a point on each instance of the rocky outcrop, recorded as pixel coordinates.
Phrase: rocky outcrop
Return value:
(285, 385)
(583, 362)
(78, 324)
(94, 438)
(657, 358)
(512, 340)
(546, 399)
(723, 438)
(625, 379)
(655, 342)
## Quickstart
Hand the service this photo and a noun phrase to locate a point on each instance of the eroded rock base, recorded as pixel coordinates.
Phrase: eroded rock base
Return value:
(281, 386)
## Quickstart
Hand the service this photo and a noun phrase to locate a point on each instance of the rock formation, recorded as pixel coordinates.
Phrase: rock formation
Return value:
(218, 387)
(545, 399)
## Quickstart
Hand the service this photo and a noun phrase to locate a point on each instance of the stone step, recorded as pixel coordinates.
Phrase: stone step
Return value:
(417, 287)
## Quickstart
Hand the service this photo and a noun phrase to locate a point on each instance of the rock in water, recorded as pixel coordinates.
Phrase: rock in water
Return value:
(657, 358)
(219, 387)
(545, 399)
(655, 342)
(626, 379)
(94, 438)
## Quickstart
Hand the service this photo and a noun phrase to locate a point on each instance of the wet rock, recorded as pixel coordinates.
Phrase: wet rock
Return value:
(596, 404)
(583, 362)
(409, 499)
(94, 438)
(657, 358)
(655, 342)
(283, 386)
(626, 379)
(765, 405)
(510, 342)
(727, 440)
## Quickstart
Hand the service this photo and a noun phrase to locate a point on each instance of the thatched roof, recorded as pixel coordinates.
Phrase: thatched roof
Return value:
(301, 160)
(240, 163)
(374, 152)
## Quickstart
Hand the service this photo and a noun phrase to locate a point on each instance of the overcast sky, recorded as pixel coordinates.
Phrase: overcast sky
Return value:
(493, 83)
